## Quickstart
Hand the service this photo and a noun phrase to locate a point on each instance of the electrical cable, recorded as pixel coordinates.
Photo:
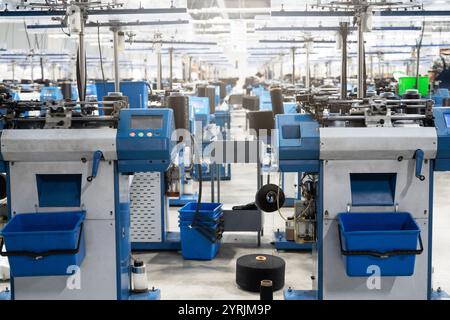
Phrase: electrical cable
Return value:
(278, 197)
(101, 58)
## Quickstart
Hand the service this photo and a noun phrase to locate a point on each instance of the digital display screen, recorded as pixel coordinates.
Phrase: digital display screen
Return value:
(146, 122)
(447, 119)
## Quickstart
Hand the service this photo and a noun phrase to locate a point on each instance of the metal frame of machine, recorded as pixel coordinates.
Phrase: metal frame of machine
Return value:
(330, 144)
(66, 139)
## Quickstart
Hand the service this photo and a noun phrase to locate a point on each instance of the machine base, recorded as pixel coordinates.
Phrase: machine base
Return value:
(154, 294)
(291, 294)
(172, 243)
(5, 295)
(282, 244)
(183, 200)
(439, 295)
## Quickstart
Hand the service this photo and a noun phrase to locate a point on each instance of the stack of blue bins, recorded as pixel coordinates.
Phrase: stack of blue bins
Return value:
(200, 232)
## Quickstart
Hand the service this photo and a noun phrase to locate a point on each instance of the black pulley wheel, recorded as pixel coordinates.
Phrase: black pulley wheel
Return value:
(269, 198)
(253, 268)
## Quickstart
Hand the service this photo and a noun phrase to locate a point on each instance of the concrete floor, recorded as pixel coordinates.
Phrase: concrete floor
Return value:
(180, 279)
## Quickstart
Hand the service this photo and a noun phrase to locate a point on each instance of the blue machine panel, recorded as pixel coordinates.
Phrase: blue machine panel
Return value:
(136, 91)
(297, 143)
(217, 96)
(442, 123)
(290, 107)
(198, 105)
(199, 111)
(144, 139)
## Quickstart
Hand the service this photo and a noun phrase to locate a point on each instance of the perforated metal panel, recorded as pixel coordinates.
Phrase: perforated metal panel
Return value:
(145, 207)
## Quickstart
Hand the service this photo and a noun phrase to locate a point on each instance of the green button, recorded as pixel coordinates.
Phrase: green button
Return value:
(140, 134)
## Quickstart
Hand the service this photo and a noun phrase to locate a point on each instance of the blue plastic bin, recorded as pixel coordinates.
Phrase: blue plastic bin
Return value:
(44, 244)
(195, 245)
(385, 240)
(209, 210)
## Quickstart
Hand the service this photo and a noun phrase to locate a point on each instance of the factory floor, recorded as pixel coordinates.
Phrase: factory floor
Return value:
(182, 279)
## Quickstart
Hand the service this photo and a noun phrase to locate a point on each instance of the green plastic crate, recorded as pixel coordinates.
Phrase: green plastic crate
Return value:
(407, 83)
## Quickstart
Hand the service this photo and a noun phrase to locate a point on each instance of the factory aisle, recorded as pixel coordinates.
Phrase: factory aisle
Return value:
(216, 279)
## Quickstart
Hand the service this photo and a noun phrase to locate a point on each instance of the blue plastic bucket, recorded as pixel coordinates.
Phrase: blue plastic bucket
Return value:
(203, 220)
(195, 246)
(209, 210)
(197, 242)
(384, 242)
(44, 244)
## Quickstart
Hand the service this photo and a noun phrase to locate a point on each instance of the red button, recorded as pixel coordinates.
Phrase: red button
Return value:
(132, 134)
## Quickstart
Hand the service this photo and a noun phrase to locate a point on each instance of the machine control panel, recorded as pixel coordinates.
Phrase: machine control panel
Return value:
(297, 142)
(144, 139)
(442, 123)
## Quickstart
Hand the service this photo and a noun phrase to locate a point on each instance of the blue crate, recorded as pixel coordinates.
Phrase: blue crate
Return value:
(195, 246)
(189, 217)
(44, 244)
(387, 240)
(209, 210)
(207, 223)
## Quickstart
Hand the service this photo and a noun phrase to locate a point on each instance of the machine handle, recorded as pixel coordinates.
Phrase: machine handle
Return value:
(419, 156)
(98, 155)
(377, 254)
(41, 255)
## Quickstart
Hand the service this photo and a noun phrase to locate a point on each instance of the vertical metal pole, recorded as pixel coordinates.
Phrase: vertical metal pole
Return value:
(158, 71)
(379, 66)
(82, 58)
(371, 67)
(146, 69)
(32, 69)
(212, 168)
(258, 166)
(190, 69)
(308, 67)
(14, 71)
(281, 67)
(42, 68)
(293, 65)
(116, 59)
(54, 71)
(361, 57)
(218, 182)
(170, 68)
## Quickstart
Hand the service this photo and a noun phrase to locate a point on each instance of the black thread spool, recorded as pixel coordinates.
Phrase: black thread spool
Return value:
(253, 268)
(250, 103)
(179, 104)
(277, 101)
(261, 120)
(266, 290)
(201, 91)
(211, 94)
(66, 90)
